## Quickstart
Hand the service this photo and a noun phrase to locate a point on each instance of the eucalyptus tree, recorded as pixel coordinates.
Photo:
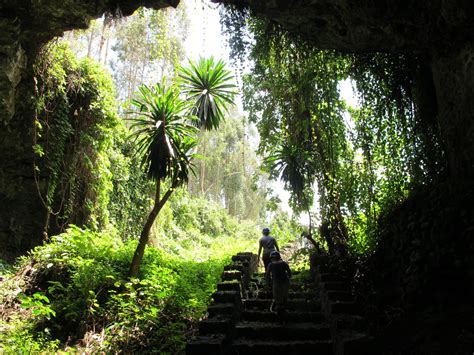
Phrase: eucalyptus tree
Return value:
(148, 45)
(229, 172)
(165, 128)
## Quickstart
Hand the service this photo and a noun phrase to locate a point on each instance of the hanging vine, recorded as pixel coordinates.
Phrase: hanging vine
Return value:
(363, 159)
(74, 120)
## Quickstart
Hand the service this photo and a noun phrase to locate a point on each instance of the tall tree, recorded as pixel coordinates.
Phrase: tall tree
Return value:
(165, 134)
(229, 171)
(149, 46)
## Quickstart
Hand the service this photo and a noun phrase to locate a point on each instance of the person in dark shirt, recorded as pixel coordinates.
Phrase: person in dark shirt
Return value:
(278, 275)
(268, 244)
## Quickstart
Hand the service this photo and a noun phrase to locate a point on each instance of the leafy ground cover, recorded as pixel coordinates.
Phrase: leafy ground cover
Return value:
(72, 294)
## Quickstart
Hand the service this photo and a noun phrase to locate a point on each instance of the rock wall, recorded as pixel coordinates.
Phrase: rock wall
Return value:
(25, 26)
(453, 76)
(370, 25)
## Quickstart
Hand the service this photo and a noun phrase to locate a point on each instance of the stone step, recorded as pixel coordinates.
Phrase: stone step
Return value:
(291, 294)
(228, 286)
(262, 274)
(209, 345)
(349, 322)
(231, 276)
(299, 304)
(358, 343)
(335, 286)
(244, 256)
(273, 347)
(340, 296)
(237, 267)
(217, 309)
(344, 307)
(288, 331)
(226, 297)
(267, 316)
(216, 325)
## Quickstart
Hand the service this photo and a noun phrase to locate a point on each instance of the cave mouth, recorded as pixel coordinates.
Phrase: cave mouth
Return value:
(436, 38)
(438, 35)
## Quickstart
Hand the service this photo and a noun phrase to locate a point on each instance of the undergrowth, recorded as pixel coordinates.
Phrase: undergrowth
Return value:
(72, 294)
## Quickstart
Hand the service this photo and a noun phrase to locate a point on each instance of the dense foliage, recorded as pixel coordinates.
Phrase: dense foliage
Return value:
(361, 159)
(75, 124)
(75, 288)
(73, 292)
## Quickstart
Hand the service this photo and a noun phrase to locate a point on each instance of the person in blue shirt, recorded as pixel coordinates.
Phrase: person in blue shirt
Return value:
(268, 244)
(278, 275)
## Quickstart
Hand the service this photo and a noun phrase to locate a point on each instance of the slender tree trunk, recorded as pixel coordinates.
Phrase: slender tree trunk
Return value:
(102, 39)
(312, 241)
(107, 44)
(89, 46)
(202, 174)
(70, 35)
(46, 224)
(145, 234)
(310, 227)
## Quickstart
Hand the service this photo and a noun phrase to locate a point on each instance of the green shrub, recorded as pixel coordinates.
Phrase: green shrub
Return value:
(76, 285)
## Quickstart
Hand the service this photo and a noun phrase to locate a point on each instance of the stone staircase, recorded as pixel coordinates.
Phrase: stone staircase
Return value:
(348, 327)
(305, 330)
(322, 317)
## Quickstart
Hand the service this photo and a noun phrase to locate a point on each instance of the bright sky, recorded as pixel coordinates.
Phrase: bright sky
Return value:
(206, 39)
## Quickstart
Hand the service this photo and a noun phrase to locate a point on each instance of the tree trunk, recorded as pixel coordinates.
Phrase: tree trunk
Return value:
(145, 234)
(107, 44)
(312, 241)
(102, 40)
(202, 173)
(89, 46)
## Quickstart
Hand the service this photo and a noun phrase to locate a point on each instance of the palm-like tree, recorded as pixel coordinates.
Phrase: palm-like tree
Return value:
(291, 164)
(165, 135)
(208, 86)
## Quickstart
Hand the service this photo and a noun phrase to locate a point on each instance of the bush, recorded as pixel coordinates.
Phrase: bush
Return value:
(75, 289)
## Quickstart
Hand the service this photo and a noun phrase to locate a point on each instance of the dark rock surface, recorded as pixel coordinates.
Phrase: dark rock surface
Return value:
(371, 26)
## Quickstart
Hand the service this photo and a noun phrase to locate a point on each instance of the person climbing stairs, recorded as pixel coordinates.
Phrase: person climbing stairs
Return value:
(322, 316)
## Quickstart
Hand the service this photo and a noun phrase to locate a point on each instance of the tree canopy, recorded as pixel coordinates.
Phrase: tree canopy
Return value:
(362, 159)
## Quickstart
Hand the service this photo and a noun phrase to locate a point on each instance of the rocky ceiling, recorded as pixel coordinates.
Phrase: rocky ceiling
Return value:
(441, 32)
(42, 20)
(371, 25)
